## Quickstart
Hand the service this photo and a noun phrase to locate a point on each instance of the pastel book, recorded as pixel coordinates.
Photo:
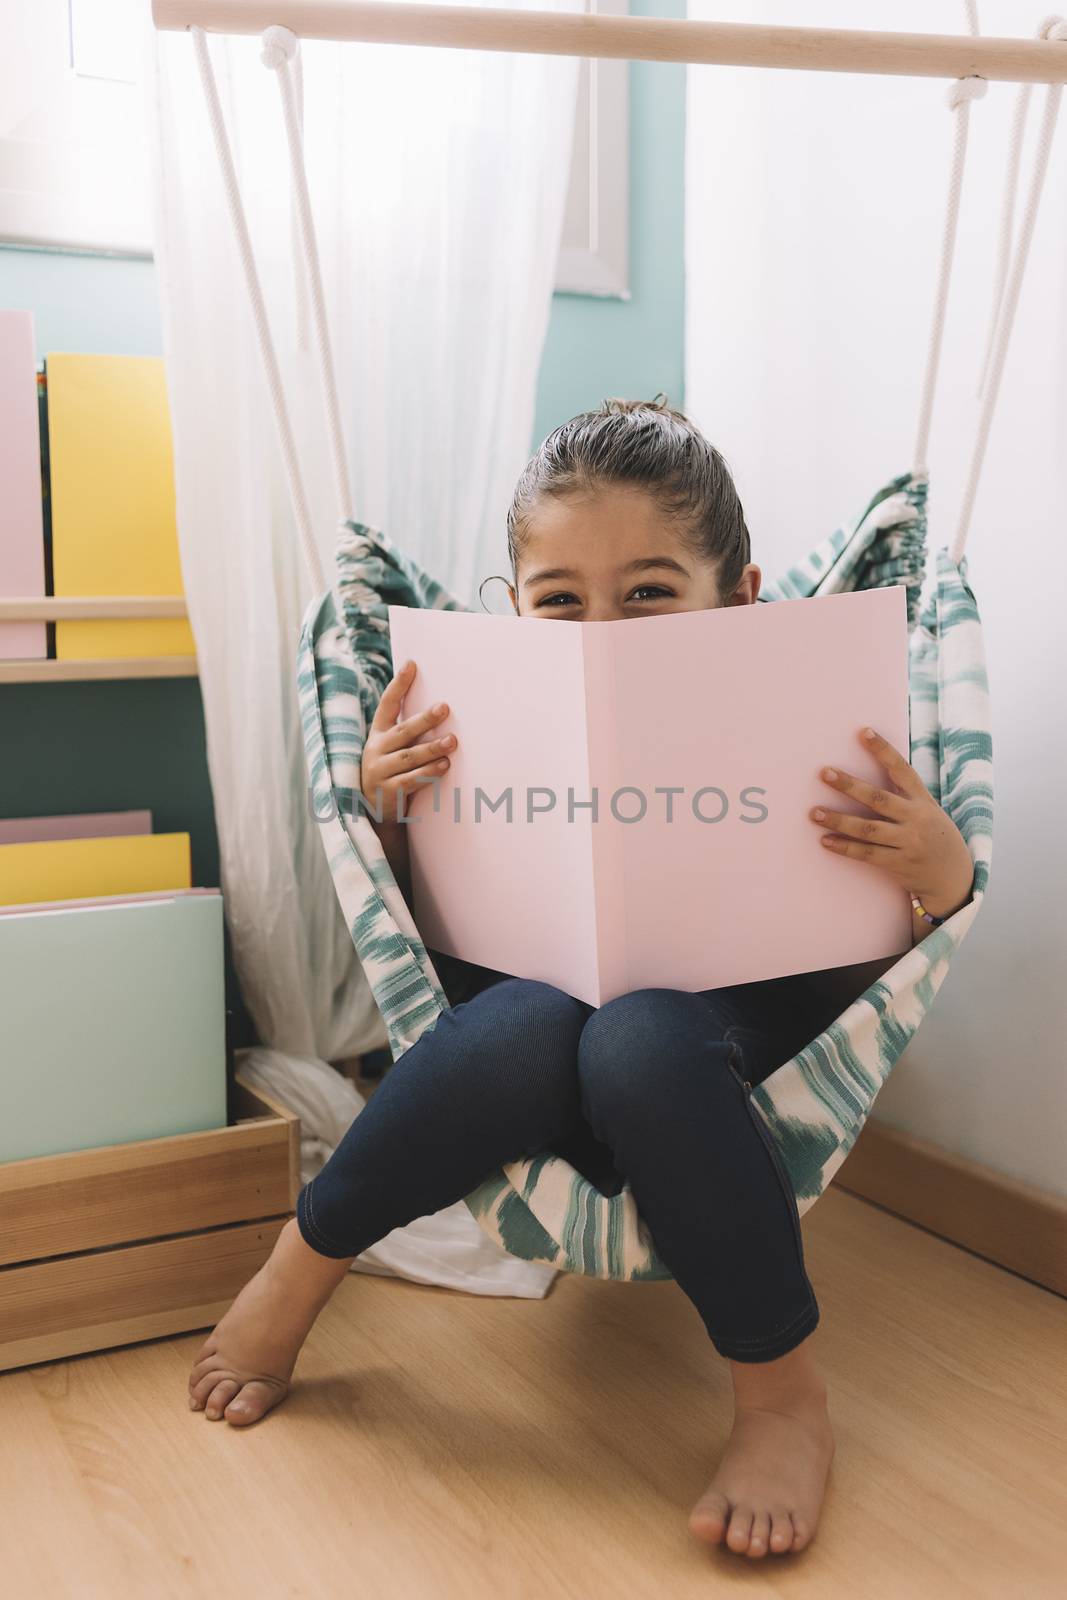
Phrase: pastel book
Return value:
(114, 1023)
(114, 530)
(102, 900)
(22, 557)
(34, 870)
(77, 825)
(628, 804)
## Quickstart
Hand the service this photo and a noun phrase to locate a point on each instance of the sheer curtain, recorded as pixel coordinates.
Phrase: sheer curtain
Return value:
(814, 216)
(438, 179)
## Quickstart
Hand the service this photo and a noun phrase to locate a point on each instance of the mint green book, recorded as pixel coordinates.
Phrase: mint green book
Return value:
(112, 1024)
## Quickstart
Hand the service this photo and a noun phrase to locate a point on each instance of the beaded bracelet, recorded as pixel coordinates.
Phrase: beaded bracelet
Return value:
(935, 922)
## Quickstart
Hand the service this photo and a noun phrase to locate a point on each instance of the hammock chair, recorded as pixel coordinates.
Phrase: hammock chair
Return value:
(813, 1107)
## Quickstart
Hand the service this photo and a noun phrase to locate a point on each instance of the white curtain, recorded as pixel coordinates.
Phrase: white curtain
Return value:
(814, 214)
(438, 179)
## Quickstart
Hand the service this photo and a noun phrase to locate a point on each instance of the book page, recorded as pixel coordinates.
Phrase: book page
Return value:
(506, 886)
(738, 709)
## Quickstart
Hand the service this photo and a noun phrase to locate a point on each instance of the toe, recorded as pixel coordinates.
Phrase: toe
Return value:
(199, 1392)
(709, 1516)
(220, 1397)
(202, 1367)
(802, 1532)
(761, 1532)
(206, 1349)
(199, 1387)
(740, 1527)
(253, 1401)
(781, 1531)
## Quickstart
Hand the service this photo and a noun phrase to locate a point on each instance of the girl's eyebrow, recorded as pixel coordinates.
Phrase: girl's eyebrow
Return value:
(640, 565)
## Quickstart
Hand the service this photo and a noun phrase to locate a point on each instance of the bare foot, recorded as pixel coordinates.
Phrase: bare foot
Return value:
(768, 1490)
(242, 1369)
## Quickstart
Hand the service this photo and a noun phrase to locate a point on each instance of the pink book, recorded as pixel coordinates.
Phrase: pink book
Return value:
(702, 735)
(83, 825)
(21, 516)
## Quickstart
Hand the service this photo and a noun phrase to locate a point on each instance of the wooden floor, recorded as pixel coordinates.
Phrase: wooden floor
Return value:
(442, 1444)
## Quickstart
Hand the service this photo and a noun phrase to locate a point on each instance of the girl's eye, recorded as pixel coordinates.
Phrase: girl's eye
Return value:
(645, 590)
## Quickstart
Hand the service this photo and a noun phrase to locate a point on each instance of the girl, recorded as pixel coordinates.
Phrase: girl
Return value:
(624, 512)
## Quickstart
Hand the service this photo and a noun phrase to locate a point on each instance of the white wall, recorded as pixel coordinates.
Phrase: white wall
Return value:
(814, 207)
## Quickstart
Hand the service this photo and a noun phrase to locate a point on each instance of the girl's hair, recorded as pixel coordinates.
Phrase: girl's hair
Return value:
(652, 447)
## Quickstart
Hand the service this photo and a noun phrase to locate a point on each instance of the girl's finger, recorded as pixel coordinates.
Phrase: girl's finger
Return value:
(392, 698)
(418, 777)
(890, 805)
(409, 783)
(387, 793)
(887, 833)
(396, 762)
(878, 855)
(402, 733)
(901, 771)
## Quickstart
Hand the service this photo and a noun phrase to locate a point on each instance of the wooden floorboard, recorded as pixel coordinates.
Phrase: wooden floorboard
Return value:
(438, 1444)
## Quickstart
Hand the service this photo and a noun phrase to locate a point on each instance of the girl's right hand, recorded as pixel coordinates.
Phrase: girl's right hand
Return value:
(396, 756)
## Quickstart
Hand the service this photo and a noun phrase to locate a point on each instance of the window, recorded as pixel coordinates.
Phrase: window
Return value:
(70, 173)
(594, 257)
(72, 176)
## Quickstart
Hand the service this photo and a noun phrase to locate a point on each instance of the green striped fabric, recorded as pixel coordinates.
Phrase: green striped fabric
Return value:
(815, 1105)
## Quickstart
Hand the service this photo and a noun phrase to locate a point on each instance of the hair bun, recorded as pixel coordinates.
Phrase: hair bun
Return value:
(620, 407)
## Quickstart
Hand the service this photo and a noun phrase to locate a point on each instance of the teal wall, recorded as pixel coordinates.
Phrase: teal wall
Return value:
(116, 746)
(596, 348)
(102, 305)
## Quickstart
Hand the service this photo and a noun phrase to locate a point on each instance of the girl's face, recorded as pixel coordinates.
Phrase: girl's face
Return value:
(612, 555)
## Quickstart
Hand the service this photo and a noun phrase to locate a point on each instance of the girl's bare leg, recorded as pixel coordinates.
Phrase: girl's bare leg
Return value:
(243, 1368)
(768, 1490)
(413, 1149)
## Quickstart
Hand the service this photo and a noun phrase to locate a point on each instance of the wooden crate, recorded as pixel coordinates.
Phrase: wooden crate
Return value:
(124, 1242)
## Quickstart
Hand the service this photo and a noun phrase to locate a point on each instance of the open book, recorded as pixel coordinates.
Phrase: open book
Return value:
(700, 735)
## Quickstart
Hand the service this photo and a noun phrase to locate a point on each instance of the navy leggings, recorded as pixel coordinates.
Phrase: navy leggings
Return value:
(652, 1087)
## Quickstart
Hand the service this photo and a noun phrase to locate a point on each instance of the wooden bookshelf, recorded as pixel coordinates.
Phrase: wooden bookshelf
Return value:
(68, 608)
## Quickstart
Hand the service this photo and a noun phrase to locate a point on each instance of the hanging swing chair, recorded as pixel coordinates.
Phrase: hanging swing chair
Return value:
(812, 1108)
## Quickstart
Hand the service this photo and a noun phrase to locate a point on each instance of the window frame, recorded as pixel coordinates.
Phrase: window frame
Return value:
(54, 194)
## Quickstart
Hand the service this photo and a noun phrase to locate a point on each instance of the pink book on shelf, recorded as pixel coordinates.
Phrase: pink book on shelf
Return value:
(83, 825)
(21, 515)
(702, 735)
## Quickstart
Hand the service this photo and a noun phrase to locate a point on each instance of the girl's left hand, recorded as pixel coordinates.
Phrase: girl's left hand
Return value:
(912, 838)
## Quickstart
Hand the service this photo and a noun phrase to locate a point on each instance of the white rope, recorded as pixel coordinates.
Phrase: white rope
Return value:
(259, 313)
(299, 287)
(1007, 220)
(1052, 28)
(1007, 216)
(960, 95)
(280, 47)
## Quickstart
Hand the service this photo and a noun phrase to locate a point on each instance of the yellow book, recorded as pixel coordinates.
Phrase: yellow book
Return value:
(75, 869)
(112, 492)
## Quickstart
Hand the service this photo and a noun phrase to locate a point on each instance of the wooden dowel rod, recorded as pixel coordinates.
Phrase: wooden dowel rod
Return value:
(52, 671)
(728, 44)
(73, 608)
